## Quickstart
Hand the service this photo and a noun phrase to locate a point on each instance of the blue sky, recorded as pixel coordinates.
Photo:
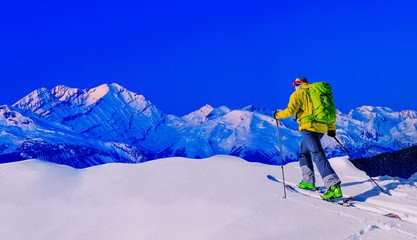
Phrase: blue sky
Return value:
(182, 55)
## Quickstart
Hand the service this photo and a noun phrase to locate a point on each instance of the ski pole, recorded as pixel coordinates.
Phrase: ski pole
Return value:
(359, 164)
(280, 154)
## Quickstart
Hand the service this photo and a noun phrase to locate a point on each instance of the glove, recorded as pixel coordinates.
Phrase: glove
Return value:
(331, 133)
(275, 114)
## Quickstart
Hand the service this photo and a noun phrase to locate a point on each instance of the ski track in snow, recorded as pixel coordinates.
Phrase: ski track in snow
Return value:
(222, 197)
(370, 225)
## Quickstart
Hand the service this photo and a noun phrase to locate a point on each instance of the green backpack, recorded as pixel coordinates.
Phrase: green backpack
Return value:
(321, 97)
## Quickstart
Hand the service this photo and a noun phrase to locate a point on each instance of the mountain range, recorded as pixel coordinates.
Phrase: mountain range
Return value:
(87, 127)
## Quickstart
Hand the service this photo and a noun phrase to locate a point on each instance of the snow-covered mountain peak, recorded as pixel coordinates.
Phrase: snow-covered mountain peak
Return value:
(37, 100)
(199, 116)
(362, 113)
(408, 114)
(240, 118)
(36, 95)
(85, 97)
(367, 113)
(218, 112)
(124, 93)
(64, 93)
(108, 111)
(206, 109)
(374, 108)
(117, 87)
(122, 96)
(96, 94)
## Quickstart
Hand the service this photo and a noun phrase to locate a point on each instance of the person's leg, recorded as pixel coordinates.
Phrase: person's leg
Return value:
(306, 164)
(312, 142)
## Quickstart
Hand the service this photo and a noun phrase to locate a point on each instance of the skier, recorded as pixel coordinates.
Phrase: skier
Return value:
(311, 148)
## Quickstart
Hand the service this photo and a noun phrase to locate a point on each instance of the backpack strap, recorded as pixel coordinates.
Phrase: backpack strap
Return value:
(308, 119)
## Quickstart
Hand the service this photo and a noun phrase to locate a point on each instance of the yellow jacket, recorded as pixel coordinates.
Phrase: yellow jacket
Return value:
(301, 105)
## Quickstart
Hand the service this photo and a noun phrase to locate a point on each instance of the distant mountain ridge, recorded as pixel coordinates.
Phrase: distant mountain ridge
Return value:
(86, 127)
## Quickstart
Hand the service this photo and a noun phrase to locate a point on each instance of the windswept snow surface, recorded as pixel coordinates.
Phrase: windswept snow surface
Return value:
(221, 197)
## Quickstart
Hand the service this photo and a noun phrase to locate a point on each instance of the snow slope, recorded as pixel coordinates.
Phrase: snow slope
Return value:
(221, 197)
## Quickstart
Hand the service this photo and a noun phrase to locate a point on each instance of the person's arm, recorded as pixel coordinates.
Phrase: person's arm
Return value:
(292, 108)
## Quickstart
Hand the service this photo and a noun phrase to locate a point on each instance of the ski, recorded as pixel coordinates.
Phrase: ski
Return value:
(393, 215)
(343, 201)
(316, 193)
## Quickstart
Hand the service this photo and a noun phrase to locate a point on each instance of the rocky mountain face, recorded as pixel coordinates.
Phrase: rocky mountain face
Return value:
(109, 123)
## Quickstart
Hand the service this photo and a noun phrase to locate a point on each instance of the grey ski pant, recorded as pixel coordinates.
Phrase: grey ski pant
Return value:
(312, 150)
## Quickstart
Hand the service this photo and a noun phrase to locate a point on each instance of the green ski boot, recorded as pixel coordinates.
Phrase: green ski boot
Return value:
(333, 192)
(310, 186)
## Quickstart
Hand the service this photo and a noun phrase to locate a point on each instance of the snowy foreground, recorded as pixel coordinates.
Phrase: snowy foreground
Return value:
(217, 198)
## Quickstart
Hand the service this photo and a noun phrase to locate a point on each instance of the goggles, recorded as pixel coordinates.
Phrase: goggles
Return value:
(298, 82)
